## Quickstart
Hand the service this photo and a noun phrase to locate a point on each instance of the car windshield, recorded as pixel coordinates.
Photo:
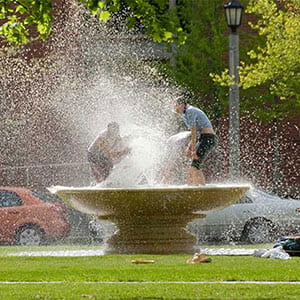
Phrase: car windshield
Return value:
(258, 195)
(43, 197)
(245, 199)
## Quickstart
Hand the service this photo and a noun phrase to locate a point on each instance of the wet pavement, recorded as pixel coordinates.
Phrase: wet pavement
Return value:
(66, 253)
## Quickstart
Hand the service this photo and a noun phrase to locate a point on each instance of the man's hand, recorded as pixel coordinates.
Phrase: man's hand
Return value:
(189, 150)
(192, 144)
(194, 155)
(117, 156)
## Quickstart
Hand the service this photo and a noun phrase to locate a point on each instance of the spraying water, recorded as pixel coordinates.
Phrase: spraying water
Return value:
(92, 76)
(52, 108)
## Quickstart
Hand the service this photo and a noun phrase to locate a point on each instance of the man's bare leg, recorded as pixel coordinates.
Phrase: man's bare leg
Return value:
(195, 176)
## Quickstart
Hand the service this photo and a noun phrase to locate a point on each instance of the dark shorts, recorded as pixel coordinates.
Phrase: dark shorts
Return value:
(101, 165)
(204, 145)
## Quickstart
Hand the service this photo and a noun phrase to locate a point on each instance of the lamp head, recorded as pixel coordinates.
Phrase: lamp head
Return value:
(233, 12)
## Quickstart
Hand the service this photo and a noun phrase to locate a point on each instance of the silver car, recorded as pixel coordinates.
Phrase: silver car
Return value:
(257, 218)
(100, 231)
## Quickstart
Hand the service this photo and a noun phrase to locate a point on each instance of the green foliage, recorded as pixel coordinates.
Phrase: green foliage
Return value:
(272, 76)
(19, 15)
(278, 62)
(102, 8)
(158, 21)
(202, 54)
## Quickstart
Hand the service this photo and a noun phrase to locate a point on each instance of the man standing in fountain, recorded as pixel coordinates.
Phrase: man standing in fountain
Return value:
(203, 139)
(106, 150)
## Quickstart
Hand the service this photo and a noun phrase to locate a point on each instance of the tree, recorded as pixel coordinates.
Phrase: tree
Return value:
(18, 16)
(274, 67)
(201, 54)
(154, 16)
(278, 62)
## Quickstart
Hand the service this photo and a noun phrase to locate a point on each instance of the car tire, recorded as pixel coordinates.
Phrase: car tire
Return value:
(258, 231)
(29, 235)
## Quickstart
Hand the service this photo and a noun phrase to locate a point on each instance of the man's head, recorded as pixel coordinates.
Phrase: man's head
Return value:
(180, 104)
(113, 128)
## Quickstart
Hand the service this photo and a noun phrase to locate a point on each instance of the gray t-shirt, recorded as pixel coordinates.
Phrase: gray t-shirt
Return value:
(194, 116)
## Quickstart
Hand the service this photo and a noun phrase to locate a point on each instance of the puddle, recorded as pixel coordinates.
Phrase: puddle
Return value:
(66, 253)
(59, 253)
(227, 251)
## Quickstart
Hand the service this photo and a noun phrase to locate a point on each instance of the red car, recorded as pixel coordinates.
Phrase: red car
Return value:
(28, 218)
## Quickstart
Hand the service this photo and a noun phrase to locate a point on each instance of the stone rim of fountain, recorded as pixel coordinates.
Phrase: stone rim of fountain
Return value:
(151, 220)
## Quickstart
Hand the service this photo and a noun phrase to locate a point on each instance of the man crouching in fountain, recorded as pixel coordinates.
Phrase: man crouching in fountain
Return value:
(106, 150)
(203, 139)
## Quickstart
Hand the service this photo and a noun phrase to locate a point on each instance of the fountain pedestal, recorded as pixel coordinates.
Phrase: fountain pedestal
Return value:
(163, 234)
(151, 220)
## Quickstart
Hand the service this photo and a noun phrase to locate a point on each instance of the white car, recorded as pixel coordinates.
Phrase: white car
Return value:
(257, 218)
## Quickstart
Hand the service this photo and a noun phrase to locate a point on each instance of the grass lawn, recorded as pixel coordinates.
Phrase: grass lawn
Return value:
(115, 277)
(148, 291)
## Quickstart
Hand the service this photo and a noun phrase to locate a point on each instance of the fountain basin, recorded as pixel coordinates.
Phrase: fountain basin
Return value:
(151, 220)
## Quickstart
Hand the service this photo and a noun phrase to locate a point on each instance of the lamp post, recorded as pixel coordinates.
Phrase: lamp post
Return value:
(233, 13)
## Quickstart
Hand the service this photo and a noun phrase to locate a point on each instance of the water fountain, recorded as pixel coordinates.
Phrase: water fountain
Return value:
(151, 219)
(85, 94)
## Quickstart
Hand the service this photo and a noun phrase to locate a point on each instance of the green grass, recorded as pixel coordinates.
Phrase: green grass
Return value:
(165, 268)
(148, 291)
(105, 277)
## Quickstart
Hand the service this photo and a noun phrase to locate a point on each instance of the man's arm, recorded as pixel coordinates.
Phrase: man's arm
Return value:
(116, 156)
(193, 143)
(120, 149)
(103, 145)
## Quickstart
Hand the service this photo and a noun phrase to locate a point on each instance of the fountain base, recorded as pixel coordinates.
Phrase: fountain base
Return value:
(151, 220)
(163, 234)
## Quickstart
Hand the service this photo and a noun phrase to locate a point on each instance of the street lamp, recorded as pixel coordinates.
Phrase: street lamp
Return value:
(233, 13)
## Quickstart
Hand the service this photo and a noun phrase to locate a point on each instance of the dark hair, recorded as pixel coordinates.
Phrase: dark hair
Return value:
(181, 100)
(113, 125)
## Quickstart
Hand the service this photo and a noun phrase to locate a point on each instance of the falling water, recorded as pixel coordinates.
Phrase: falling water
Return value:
(92, 76)
(53, 106)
